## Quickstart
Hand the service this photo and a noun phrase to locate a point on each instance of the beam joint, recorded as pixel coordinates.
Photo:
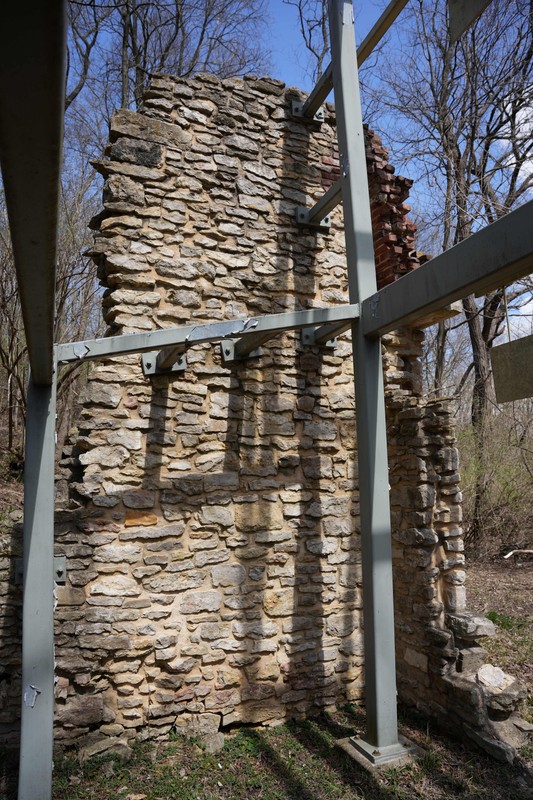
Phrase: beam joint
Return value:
(176, 363)
(310, 109)
(493, 257)
(319, 215)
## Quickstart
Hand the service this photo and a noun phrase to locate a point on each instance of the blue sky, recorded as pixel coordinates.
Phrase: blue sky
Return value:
(289, 56)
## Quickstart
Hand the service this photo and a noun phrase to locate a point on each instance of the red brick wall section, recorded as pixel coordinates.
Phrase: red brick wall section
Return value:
(394, 233)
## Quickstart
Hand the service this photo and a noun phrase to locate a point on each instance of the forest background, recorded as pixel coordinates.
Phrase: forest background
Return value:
(457, 118)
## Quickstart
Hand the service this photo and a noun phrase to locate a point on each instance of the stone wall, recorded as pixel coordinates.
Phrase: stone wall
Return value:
(210, 517)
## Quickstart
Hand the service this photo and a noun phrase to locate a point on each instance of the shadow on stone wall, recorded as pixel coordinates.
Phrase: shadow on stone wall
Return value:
(10, 633)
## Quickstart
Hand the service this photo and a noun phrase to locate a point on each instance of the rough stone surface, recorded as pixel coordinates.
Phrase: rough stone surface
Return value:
(212, 530)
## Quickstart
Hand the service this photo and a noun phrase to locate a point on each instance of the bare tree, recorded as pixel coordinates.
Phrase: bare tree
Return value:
(118, 44)
(314, 29)
(462, 118)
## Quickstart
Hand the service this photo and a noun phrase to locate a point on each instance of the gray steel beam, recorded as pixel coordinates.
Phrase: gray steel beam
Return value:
(317, 216)
(324, 84)
(310, 108)
(381, 740)
(325, 333)
(495, 256)
(35, 778)
(378, 31)
(168, 356)
(190, 335)
(462, 14)
(32, 90)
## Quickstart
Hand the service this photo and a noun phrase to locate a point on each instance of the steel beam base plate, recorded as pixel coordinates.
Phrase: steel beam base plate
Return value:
(150, 368)
(297, 111)
(60, 570)
(302, 218)
(229, 356)
(308, 339)
(371, 757)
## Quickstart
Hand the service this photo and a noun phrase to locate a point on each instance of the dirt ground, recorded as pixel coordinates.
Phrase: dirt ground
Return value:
(504, 592)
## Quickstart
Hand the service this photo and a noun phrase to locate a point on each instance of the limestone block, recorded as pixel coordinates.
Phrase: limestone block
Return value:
(217, 515)
(128, 123)
(210, 631)
(259, 629)
(197, 724)
(279, 602)
(180, 582)
(119, 188)
(105, 744)
(228, 575)
(105, 456)
(341, 624)
(196, 602)
(139, 517)
(258, 517)
(139, 499)
(80, 710)
(321, 547)
(107, 395)
(171, 532)
(116, 586)
(468, 626)
(180, 665)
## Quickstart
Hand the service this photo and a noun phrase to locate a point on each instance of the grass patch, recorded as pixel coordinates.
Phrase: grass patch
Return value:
(296, 761)
(503, 621)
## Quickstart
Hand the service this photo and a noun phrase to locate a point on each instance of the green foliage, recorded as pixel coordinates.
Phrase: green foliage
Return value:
(503, 468)
(502, 620)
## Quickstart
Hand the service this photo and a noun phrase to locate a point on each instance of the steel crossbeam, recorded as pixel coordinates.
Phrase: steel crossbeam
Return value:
(493, 257)
(324, 85)
(32, 87)
(318, 215)
(180, 339)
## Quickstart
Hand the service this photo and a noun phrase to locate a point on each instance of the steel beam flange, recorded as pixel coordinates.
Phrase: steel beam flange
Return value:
(150, 368)
(307, 338)
(60, 570)
(302, 218)
(297, 111)
(229, 356)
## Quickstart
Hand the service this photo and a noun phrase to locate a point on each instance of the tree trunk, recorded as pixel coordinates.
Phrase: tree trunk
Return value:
(481, 395)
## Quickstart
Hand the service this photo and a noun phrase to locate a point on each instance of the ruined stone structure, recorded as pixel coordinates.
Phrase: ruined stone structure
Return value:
(211, 530)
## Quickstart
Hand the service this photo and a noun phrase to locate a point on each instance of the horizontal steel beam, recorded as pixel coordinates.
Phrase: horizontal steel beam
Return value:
(495, 256)
(32, 89)
(310, 109)
(462, 14)
(318, 215)
(189, 335)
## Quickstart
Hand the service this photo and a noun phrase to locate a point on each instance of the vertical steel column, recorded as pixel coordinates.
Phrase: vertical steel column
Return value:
(381, 743)
(35, 775)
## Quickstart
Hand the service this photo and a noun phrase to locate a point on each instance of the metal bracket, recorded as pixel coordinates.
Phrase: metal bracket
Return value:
(297, 110)
(149, 364)
(229, 354)
(303, 218)
(60, 570)
(308, 338)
